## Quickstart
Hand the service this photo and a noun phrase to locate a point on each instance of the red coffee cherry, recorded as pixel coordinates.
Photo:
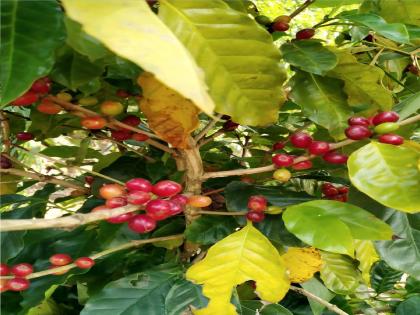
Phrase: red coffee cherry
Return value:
(60, 259)
(122, 93)
(158, 209)
(181, 199)
(116, 202)
(4, 269)
(230, 125)
(304, 165)
(391, 139)
(282, 160)
(42, 85)
(343, 189)
(334, 157)
(48, 107)
(166, 188)
(84, 262)
(131, 120)
(306, 33)
(279, 26)
(139, 137)
(255, 216)
(5, 162)
(278, 146)
(22, 270)
(26, 99)
(138, 197)
(121, 218)
(139, 184)
(142, 223)
(176, 208)
(300, 140)
(329, 191)
(18, 284)
(257, 203)
(121, 135)
(24, 136)
(385, 117)
(361, 121)
(358, 132)
(319, 147)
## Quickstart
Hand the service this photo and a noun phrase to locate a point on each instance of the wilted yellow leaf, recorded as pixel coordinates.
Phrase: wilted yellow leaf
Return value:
(366, 254)
(133, 31)
(171, 116)
(242, 256)
(302, 263)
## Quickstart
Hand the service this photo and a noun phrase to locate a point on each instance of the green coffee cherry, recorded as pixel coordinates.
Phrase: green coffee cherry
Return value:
(273, 210)
(386, 127)
(88, 101)
(263, 20)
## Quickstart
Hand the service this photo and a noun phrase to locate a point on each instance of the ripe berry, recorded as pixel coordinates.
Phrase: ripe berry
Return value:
(22, 270)
(304, 165)
(84, 262)
(283, 175)
(330, 191)
(139, 184)
(176, 208)
(339, 197)
(93, 122)
(5, 162)
(278, 146)
(122, 93)
(139, 137)
(255, 216)
(300, 140)
(60, 259)
(158, 209)
(121, 135)
(357, 132)
(386, 127)
(247, 179)
(49, 108)
(121, 218)
(41, 86)
(413, 69)
(306, 33)
(166, 188)
(343, 189)
(391, 139)
(109, 191)
(385, 117)
(111, 108)
(116, 202)
(362, 121)
(131, 120)
(230, 125)
(257, 203)
(199, 201)
(88, 101)
(18, 284)
(181, 199)
(334, 157)
(319, 147)
(142, 223)
(26, 99)
(4, 270)
(279, 26)
(67, 97)
(138, 197)
(24, 136)
(282, 160)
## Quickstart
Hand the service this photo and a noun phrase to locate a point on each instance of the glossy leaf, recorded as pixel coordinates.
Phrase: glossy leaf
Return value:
(322, 100)
(362, 84)
(113, 24)
(309, 55)
(408, 106)
(274, 309)
(406, 10)
(145, 292)
(210, 229)
(367, 256)
(242, 256)
(171, 116)
(318, 288)
(409, 306)
(30, 32)
(339, 273)
(388, 174)
(239, 60)
(182, 295)
(332, 225)
(383, 277)
(302, 263)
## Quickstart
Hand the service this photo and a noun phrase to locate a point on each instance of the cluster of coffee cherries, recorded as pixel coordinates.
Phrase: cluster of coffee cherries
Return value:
(257, 205)
(23, 270)
(333, 192)
(161, 201)
(384, 124)
(281, 24)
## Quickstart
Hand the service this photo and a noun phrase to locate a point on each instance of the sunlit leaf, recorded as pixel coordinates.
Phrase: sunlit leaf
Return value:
(367, 256)
(302, 263)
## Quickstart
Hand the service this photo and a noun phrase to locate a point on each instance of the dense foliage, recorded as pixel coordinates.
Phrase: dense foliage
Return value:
(212, 157)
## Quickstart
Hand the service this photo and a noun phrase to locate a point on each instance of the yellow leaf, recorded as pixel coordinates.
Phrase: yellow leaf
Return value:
(302, 263)
(171, 116)
(131, 30)
(242, 256)
(367, 256)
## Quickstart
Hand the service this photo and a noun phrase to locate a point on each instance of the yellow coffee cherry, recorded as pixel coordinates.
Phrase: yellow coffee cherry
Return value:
(282, 175)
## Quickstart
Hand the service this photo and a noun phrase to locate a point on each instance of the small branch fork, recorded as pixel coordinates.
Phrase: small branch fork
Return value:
(128, 245)
(207, 128)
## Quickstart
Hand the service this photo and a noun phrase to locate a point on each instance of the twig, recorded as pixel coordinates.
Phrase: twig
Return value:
(214, 191)
(306, 4)
(70, 221)
(328, 305)
(42, 178)
(113, 123)
(210, 138)
(208, 127)
(101, 254)
(5, 130)
(222, 212)
(73, 166)
(375, 58)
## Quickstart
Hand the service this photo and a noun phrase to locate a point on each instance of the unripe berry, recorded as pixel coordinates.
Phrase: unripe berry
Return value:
(88, 101)
(139, 184)
(142, 223)
(385, 117)
(60, 259)
(304, 165)
(255, 216)
(22, 270)
(300, 140)
(283, 18)
(283, 175)
(362, 121)
(357, 132)
(386, 127)
(391, 139)
(3, 285)
(334, 157)
(306, 33)
(111, 108)
(109, 191)
(18, 284)
(84, 262)
(24, 136)
(263, 20)
(282, 160)
(166, 188)
(199, 201)
(67, 97)
(49, 108)
(319, 147)
(257, 203)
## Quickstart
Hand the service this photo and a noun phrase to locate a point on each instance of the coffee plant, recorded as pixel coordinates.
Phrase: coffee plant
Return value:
(210, 157)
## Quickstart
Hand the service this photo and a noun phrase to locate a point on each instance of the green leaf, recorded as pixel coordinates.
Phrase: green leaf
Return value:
(274, 309)
(367, 256)
(208, 230)
(69, 151)
(333, 3)
(309, 55)
(383, 277)
(393, 11)
(332, 225)
(412, 285)
(409, 307)
(408, 106)
(394, 31)
(183, 294)
(339, 273)
(145, 291)
(322, 101)
(125, 30)
(407, 244)
(239, 60)
(30, 32)
(388, 174)
(74, 70)
(362, 84)
(316, 287)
